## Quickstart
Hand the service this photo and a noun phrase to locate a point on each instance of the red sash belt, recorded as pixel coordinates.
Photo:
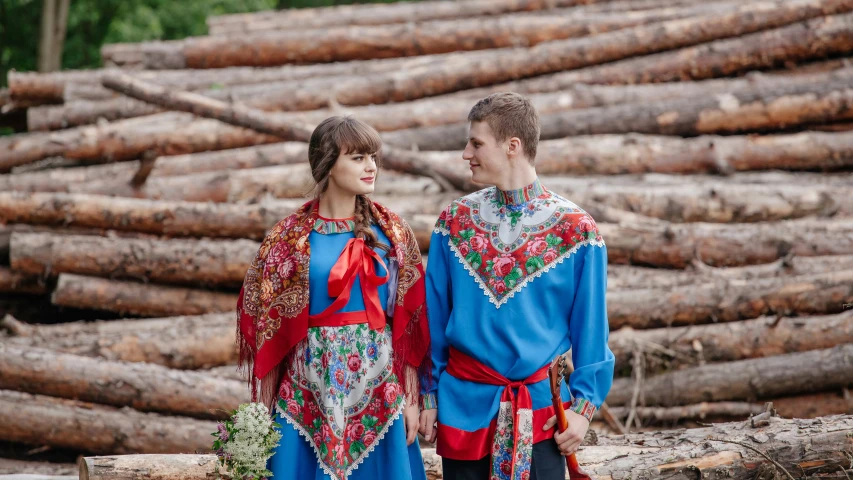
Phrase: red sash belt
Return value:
(467, 368)
(356, 261)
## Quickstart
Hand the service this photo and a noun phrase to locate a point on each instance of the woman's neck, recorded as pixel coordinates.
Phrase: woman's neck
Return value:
(336, 204)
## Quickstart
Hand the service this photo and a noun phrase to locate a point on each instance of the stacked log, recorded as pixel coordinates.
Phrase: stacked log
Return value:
(40, 420)
(186, 343)
(730, 449)
(216, 52)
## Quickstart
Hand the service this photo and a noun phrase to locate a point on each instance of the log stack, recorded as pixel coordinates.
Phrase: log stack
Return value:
(712, 143)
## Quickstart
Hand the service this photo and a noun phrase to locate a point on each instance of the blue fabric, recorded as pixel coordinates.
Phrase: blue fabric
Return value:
(325, 250)
(294, 458)
(563, 308)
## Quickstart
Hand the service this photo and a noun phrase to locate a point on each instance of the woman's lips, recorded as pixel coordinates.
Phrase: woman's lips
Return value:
(368, 179)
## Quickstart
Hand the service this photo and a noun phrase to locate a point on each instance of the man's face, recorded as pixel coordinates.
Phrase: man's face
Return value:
(487, 158)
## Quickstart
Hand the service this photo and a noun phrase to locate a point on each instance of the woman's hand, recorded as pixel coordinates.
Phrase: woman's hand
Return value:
(569, 441)
(428, 428)
(410, 415)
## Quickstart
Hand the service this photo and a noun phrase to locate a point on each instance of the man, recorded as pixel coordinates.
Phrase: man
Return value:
(516, 276)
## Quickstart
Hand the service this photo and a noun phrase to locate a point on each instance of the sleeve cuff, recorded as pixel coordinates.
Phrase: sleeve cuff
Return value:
(583, 407)
(428, 401)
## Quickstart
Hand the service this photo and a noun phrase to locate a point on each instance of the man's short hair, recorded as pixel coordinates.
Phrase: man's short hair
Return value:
(509, 115)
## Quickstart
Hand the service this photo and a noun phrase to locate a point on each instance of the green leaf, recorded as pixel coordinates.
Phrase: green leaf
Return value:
(489, 266)
(516, 273)
(356, 448)
(369, 421)
(533, 264)
(467, 234)
(297, 394)
(553, 240)
(474, 259)
(324, 450)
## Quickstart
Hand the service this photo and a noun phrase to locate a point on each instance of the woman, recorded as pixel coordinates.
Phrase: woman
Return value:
(333, 324)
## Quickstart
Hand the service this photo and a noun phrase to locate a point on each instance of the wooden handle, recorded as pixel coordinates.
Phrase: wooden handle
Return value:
(556, 377)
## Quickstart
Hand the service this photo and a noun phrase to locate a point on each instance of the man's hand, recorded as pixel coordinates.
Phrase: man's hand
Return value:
(410, 415)
(428, 428)
(569, 441)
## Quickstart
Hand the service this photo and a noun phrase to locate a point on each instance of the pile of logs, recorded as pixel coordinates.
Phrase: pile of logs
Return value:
(711, 141)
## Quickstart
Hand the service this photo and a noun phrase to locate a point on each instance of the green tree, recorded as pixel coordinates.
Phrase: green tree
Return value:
(93, 23)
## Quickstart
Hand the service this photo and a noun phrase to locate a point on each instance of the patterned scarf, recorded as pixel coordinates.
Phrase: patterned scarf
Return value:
(272, 309)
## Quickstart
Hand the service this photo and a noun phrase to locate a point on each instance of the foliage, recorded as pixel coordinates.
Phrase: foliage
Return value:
(93, 23)
(246, 442)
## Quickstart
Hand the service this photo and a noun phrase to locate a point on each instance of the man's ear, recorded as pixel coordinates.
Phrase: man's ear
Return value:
(513, 147)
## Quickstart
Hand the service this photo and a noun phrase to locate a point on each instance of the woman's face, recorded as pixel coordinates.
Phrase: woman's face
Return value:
(354, 173)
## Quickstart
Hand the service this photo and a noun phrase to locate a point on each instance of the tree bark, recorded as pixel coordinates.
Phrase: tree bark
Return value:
(75, 212)
(798, 406)
(69, 179)
(205, 263)
(810, 446)
(71, 85)
(40, 420)
(237, 114)
(775, 48)
(143, 387)
(186, 343)
(717, 203)
(752, 379)
(702, 411)
(624, 277)
(389, 14)
(730, 300)
(676, 246)
(839, 402)
(47, 59)
(137, 298)
(758, 108)
(17, 282)
(433, 111)
(285, 46)
(139, 215)
(9, 466)
(678, 347)
(615, 154)
(229, 372)
(541, 59)
(128, 139)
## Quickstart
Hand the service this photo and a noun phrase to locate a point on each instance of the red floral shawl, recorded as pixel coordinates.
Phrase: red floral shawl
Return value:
(272, 310)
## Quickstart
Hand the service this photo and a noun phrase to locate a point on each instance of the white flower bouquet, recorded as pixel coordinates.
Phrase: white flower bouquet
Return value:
(246, 441)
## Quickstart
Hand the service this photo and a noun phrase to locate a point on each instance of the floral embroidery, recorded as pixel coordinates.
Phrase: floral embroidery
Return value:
(344, 395)
(584, 407)
(349, 386)
(505, 246)
(504, 466)
(328, 226)
(502, 446)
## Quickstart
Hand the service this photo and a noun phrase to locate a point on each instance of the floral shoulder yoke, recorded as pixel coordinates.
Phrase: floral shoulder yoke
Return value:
(506, 244)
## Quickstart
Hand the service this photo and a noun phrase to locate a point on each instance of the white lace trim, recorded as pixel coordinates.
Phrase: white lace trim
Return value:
(355, 465)
(521, 285)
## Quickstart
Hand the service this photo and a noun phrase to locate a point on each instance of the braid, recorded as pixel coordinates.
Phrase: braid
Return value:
(363, 222)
